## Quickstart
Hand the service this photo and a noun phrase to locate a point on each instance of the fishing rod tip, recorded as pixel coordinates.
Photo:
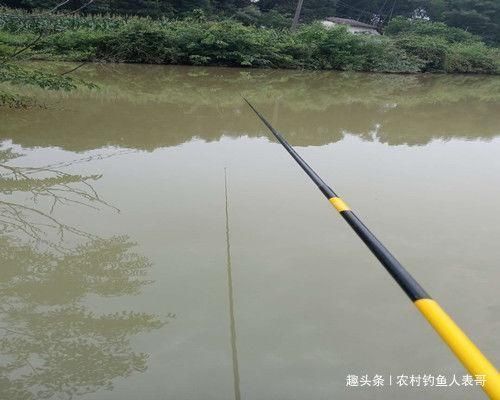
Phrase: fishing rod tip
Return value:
(250, 104)
(246, 101)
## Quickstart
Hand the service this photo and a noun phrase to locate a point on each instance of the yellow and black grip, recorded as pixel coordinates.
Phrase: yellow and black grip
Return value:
(463, 348)
(469, 355)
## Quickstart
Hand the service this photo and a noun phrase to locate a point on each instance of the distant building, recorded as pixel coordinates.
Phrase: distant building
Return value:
(351, 24)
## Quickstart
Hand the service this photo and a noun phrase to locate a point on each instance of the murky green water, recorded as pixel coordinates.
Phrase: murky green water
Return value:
(114, 280)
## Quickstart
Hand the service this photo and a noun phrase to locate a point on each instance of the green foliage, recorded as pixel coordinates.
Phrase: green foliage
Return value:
(419, 27)
(13, 100)
(78, 45)
(443, 48)
(202, 43)
(17, 75)
(411, 46)
(431, 50)
(13, 76)
(252, 15)
(233, 44)
(383, 55)
(480, 17)
(15, 21)
(333, 48)
(23, 37)
(472, 58)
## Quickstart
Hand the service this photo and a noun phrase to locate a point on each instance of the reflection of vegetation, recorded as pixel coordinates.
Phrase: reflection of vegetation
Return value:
(149, 107)
(302, 90)
(51, 342)
(58, 187)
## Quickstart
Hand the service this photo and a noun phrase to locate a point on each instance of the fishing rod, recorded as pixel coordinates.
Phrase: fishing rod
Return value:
(463, 348)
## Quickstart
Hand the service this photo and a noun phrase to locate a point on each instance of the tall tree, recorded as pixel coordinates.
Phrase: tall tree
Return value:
(481, 17)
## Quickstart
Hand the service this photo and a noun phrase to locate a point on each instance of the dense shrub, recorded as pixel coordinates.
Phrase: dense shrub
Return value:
(252, 15)
(420, 27)
(472, 58)
(383, 55)
(80, 45)
(20, 22)
(203, 43)
(442, 48)
(333, 48)
(412, 46)
(14, 74)
(431, 50)
(12, 100)
(233, 44)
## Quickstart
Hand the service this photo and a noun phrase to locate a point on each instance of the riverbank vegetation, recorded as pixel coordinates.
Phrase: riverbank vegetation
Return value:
(13, 75)
(480, 17)
(409, 46)
(231, 36)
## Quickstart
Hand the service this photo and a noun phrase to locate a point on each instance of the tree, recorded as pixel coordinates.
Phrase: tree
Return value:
(481, 17)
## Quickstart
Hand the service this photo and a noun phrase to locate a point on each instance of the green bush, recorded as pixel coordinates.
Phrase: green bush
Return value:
(13, 76)
(419, 27)
(183, 42)
(21, 22)
(83, 42)
(442, 48)
(17, 75)
(412, 46)
(431, 50)
(382, 55)
(438, 55)
(11, 43)
(12, 100)
(333, 48)
(475, 58)
(252, 15)
(139, 43)
(234, 44)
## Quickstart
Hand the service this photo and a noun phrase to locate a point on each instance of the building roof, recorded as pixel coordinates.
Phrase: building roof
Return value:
(350, 22)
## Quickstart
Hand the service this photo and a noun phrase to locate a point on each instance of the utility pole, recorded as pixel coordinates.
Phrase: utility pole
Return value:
(296, 17)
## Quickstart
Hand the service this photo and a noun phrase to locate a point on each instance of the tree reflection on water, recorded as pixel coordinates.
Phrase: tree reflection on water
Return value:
(147, 107)
(52, 343)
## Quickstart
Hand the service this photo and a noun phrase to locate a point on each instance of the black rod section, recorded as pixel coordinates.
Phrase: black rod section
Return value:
(409, 285)
(325, 189)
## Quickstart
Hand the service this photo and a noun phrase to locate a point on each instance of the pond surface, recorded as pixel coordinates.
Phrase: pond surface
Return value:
(120, 280)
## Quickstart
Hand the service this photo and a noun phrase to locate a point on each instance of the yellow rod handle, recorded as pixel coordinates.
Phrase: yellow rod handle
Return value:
(463, 348)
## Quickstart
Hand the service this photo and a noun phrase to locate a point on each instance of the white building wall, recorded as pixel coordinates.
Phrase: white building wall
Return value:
(352, 29)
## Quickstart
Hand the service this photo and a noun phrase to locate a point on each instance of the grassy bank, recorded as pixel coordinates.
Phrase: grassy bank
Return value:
(408, 47)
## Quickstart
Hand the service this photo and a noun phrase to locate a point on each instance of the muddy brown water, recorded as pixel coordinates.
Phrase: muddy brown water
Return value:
(115, 281)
